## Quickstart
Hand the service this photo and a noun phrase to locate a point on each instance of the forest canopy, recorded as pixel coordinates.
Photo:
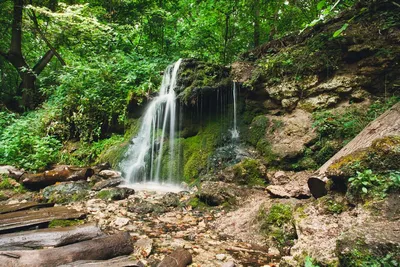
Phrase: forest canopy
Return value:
(69, 69)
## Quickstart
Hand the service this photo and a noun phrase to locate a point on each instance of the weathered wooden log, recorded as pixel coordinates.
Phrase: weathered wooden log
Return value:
(23, 206)
(59, 174)
(386, 124)
(50, 237)
(21, 219)
(102, 248)
(115, 262)
(178, 258)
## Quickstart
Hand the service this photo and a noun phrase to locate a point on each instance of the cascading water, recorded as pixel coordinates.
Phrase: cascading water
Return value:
(145, 154)
(234, 131)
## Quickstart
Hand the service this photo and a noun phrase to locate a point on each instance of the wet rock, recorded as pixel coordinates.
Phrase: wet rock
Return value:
(170, 200)
(216, 193)
(143, 207)
(102, 166)
(107, 183)
(107, 174)
(290, 185)
(66, 192)
(115, 193)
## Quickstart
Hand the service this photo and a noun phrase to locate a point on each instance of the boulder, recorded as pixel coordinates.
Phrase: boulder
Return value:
(117, 193)
(107, 174)
(217, 193)
(66, 192)
(107, 183)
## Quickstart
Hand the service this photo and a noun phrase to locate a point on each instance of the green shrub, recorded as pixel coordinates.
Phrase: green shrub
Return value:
(5, 184)
(25, 143)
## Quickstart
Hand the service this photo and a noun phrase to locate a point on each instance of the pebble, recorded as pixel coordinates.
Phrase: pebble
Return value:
(220, 257)
(228, 264)
(119, 221)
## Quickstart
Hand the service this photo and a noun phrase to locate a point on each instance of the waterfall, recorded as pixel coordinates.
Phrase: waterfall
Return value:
(145, 153)
(234, 131)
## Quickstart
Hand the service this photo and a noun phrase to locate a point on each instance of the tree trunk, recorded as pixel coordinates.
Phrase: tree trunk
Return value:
(59, 174)
(23, 206)
(256, 6)
(97, 249)
(386, 124)
(49, 237)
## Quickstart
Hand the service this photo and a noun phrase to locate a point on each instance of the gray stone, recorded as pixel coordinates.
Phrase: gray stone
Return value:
(66, 191)
(107, 183)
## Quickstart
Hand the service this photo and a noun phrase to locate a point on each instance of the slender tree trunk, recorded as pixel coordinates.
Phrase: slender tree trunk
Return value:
(256, 6)
(226, 35)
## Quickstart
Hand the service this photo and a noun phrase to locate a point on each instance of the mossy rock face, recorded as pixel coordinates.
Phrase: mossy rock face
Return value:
(382, 155)
(250, 172)
(197, 78)
(66, 192)
(370, 244)
(256, 129)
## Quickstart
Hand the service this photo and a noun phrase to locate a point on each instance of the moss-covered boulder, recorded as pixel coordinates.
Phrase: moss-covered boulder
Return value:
(250, 172)
(117, 193)
(66, 192)
(217, 193)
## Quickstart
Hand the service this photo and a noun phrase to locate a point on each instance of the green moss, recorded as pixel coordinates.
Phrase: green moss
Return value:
(6, 184)
(382, 155)
(58, 198)
(3, 197)
(249, 172)
(257, 129)
(64, 223)
(265, 148)
(362, 257)
(278, 224)
(104, 194)
(198, 149)
(330, 205)
(196, 203)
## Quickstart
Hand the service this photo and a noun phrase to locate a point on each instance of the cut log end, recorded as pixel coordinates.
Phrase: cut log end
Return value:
(317, 186)
(178, 258)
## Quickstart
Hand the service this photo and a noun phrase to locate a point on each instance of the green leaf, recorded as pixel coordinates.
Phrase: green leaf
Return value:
(321, 4)
(365, 190)
(338, 32)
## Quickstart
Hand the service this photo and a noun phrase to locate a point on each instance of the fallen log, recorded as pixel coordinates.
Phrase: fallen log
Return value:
(115, 262)
(22, 219)
(49, 237)
(23, 206)
(385, 125)
(59, 174)
(96, 249)
(178, 258)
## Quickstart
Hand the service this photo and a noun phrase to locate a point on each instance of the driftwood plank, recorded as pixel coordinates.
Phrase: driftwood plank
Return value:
(102, 248)
(50, 237)
(25, 218)
(23, 206)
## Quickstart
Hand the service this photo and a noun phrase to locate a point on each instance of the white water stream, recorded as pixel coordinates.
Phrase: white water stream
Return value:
(145, 154)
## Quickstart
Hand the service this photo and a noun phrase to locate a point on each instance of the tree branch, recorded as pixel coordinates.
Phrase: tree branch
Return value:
(36, 23)
(37, 69)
